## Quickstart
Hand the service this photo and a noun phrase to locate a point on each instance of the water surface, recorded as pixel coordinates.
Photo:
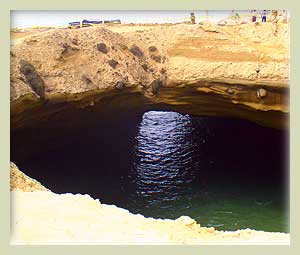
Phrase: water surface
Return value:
(223, 172)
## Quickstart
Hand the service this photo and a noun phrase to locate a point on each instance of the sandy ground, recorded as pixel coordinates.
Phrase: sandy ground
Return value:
(263, 41)
(18, 36)
(42, 217)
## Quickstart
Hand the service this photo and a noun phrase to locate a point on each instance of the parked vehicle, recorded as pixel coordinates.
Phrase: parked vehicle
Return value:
(88, 23)
(76, 24)
(114, 21)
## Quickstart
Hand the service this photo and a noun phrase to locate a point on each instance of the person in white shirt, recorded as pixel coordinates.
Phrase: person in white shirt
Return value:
(264, 16)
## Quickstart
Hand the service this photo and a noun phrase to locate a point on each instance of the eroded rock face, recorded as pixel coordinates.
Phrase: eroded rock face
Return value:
(62, 66)
(234, 64)
(33, 79)
(136, 51)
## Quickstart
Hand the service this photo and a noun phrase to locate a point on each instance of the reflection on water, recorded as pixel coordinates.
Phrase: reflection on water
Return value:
(217, 172)
(223, 172)
(163, 165)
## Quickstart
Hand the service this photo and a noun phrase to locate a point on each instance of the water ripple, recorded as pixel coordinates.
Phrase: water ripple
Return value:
(163, 167)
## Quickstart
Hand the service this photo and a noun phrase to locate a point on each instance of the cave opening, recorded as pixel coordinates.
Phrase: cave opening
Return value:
(224, 172)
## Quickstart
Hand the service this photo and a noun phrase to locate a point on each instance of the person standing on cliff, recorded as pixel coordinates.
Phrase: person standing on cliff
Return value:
(193, 18)
(253, 15)
(275, 15)
(264, 16)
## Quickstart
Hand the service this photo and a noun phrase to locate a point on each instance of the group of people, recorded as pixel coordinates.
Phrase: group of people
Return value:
(263, 15)
(272, 16)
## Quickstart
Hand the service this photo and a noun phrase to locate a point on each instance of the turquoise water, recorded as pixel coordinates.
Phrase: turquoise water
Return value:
(225, 211)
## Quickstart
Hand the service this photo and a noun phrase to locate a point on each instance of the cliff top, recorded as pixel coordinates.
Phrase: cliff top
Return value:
(69, 61)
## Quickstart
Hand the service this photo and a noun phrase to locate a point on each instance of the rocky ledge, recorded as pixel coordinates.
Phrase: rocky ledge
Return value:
(204, 69)
(43, 217)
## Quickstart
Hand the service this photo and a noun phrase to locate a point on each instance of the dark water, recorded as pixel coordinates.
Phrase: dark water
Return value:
(225, 173)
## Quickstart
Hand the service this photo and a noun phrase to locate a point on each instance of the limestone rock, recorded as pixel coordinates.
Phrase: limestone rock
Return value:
(32, 78)
(113, 63)
(136, 51)
(190, 61)
(20, 181)
(120, 85)
(102, 48)
(186, 220)
(261, 93)
(155, 85)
